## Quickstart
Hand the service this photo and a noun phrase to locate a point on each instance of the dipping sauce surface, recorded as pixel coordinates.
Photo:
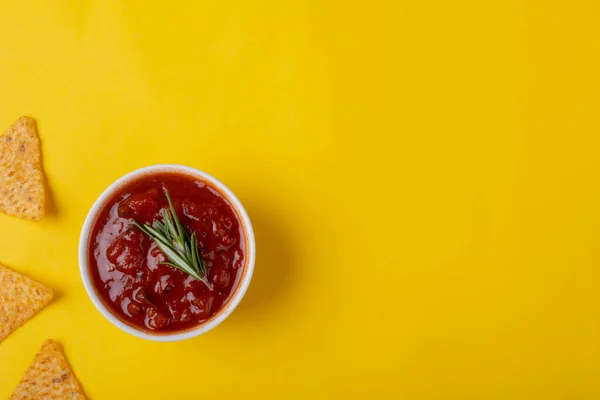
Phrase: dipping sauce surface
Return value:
(127, 265)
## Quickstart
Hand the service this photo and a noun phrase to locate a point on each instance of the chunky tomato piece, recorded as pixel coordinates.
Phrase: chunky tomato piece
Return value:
(223, 257)
(130, 308)
(134, 309)
(220, 277)
(139, 295)
(126, 252)
(141, 206)
(164, 283)
(156, 319)
(179, 308)
(191, 209)
(200, 304)
(238, 258)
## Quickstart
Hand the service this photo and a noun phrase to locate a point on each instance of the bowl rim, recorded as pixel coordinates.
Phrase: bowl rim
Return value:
(227, 308)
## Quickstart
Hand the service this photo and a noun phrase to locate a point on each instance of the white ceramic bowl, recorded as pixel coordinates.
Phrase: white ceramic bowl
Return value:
(238, 291)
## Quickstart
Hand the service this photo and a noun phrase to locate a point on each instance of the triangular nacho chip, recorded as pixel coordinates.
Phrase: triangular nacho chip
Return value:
(48, 377)
(20, 299)
(21, 178)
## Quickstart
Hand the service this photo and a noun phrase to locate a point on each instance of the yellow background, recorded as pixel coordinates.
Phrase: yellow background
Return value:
(423, 177)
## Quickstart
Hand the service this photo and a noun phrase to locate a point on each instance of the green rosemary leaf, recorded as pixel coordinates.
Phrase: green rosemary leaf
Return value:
(182, 234)
(196, 256)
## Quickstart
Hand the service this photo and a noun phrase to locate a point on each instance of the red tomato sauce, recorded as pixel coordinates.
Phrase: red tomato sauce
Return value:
(126, 264)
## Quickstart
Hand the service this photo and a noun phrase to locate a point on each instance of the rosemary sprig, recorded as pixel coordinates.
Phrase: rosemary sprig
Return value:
(179, 246)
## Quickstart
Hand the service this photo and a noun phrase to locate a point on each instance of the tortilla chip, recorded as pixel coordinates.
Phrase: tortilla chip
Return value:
(20, 299)
(21, 178)
(48, 377)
